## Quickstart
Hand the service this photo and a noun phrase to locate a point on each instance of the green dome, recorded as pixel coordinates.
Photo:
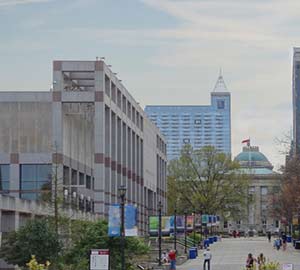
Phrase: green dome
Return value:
(253, 156)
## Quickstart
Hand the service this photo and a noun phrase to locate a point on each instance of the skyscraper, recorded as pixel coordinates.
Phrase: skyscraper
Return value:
(199, 125)
(296, 100)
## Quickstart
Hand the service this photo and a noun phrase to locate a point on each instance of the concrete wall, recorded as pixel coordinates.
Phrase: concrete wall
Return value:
(25, 127)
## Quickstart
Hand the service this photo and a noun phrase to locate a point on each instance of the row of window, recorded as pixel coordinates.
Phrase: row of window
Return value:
(118, 98)
(36, 177)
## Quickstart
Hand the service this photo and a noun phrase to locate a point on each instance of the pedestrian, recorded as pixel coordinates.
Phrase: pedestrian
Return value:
(283, 237)
(261, 260)
(207, 257)
(164, 257)
(172, 259)
(250, 262)
(277, 243)
(269, 236)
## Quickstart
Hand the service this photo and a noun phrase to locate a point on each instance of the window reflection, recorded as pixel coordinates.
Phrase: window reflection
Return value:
(33, 179)
(4, 177)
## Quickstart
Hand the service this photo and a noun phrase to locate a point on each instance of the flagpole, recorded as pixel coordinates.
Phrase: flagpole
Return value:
(249, 153)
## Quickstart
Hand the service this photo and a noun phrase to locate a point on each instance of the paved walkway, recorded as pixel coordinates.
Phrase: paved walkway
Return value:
(231, 254)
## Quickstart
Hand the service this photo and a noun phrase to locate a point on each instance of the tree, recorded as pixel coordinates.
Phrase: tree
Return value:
(35, 238)
(286, 204)
(93, 235)
(207, 181)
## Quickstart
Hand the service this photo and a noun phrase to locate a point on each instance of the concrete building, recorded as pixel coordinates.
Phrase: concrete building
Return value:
(196, 125)
(296, 100)
(92, 133)
(264, 184)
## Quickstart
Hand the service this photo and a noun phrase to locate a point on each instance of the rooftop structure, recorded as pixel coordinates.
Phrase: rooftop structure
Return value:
(198, 125)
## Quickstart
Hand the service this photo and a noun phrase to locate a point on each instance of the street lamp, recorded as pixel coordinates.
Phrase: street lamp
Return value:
(159, 232)
(185, 231)
(175, 228)
(122, 192)
(194, 228)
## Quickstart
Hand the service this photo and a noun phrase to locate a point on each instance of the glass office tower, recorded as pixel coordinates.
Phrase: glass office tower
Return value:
(199, 125)
(296, 101)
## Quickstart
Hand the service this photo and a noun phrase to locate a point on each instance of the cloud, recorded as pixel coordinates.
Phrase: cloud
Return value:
(4, 3)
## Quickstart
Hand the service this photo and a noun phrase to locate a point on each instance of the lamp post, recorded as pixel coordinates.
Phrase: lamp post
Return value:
(159, 232)
(185, 231)
(175, 228)
(194, 228)
(122, 192)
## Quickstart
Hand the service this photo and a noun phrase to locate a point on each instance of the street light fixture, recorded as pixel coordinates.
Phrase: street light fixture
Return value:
(175, 228)
(194, 228)
(122, 192)
(159, 232)
(185, 232)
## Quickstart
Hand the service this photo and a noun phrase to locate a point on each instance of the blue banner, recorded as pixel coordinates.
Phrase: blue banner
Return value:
(131, 228)
(114, 219)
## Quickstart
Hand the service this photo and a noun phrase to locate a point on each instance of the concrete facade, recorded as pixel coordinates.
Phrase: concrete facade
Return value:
(199, 125)
(92, 133)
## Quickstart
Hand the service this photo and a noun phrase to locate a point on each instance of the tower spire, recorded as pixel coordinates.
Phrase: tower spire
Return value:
(220, 85)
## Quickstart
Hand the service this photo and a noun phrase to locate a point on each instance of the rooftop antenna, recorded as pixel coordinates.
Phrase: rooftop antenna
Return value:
(220, 85)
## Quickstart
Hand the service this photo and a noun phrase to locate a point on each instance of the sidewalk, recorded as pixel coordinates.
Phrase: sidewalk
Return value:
(231, 254)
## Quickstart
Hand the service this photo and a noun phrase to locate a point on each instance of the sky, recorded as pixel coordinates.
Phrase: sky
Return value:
(166, 52)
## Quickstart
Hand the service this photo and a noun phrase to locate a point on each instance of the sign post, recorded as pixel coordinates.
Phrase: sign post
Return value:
(287, 266)
(99, 259)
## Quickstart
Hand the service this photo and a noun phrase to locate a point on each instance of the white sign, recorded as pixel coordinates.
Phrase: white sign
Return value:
(287, 266)
(99, 259)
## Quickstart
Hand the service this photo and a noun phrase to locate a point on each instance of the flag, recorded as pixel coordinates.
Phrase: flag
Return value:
(246, 141)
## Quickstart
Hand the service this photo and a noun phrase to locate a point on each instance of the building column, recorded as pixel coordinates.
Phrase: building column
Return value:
(99, 137)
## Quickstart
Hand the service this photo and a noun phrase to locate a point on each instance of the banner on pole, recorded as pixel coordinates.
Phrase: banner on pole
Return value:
(131, 228)
(190, 222)
(114, 218)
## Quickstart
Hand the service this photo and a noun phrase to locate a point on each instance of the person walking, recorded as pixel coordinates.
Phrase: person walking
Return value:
(269, 236)
(277, 243)
(250, 262)
(283, 237)
(207, 257)
(261, 260)
(172, 259)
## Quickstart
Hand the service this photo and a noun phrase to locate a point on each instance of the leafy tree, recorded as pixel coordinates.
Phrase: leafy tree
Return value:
(35, 238)
(207, 181)
(93, 235)
(286, 204)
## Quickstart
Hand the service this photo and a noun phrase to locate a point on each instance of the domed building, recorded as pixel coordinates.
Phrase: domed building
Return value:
(264, 183)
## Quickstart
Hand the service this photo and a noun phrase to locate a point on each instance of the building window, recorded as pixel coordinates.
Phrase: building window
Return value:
(225, 224)
(88, 182)
(263, 190)
(33, 179)
(186, 140)
(74, 177)
(4, 177)
(81, 179)
(66, 176)
(251, 190)
(221, 104)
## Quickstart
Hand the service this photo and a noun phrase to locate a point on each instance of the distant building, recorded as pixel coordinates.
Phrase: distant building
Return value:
(264, 184)
(199, 125)
(296, 100)
(93, 132)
